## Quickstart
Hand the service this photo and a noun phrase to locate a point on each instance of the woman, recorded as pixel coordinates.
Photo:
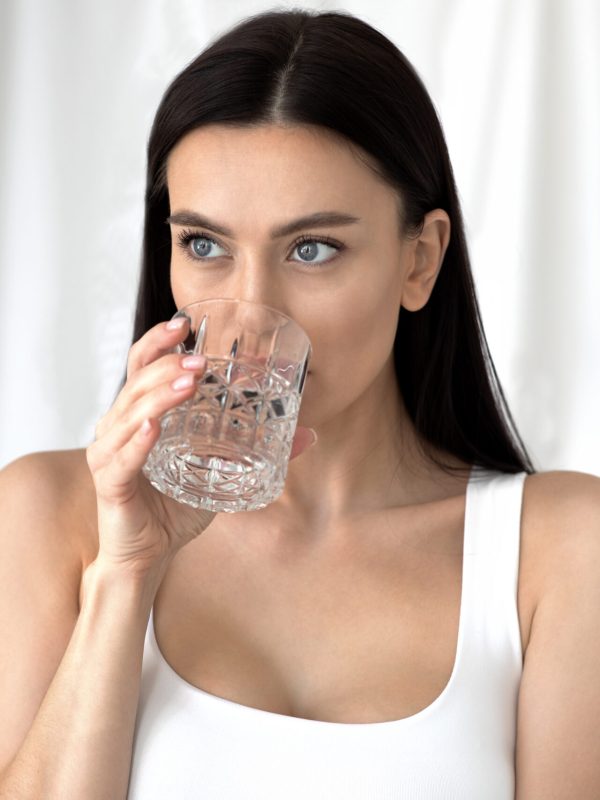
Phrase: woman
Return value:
(371, 633)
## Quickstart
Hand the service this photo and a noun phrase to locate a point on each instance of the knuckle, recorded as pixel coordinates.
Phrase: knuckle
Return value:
(132, 359)
(92, 456)
(133, 350)
(99, 429)
(133, 380)
(127, 415)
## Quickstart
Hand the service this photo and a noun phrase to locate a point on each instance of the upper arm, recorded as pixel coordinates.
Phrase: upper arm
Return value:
(558, 727)
(40, 573)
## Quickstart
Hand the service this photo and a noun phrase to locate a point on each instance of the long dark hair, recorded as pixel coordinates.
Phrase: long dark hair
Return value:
(333, 70)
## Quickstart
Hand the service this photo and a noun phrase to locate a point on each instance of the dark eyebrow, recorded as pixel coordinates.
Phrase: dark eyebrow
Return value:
(320, 219)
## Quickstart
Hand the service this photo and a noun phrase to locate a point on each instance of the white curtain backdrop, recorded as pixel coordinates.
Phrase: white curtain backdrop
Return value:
(516, 84)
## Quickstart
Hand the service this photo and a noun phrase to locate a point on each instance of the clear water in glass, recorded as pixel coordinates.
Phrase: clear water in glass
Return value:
(227, 447)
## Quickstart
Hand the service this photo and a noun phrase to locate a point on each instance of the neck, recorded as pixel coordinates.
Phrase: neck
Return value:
(366, 459)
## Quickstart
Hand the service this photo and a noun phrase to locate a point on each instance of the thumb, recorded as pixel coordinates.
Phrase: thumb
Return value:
(303, 439)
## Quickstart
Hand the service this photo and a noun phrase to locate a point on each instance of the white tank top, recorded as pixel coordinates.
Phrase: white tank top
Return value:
(189, 743)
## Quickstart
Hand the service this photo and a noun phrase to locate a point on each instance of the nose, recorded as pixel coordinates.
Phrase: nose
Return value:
(256, 282)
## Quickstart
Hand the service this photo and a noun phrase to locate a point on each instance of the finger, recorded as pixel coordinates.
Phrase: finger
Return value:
(303, 439)
(166, 368)
(154, 343)
(118, 482)
(152, 405)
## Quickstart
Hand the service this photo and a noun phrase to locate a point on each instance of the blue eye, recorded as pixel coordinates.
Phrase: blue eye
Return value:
(200, 247)
(308, 246)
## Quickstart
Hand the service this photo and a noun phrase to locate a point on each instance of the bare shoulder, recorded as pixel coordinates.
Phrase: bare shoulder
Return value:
(562, 489)
(561, 522)
(57, 486)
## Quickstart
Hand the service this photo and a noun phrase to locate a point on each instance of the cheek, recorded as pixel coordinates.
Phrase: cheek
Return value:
(183, 290)
(354, 341)
(177, 289)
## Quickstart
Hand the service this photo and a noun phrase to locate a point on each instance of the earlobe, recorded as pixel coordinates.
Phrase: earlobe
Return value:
(427, 259)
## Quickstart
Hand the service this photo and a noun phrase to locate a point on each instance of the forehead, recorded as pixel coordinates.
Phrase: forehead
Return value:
(271, 160)
(270, 142)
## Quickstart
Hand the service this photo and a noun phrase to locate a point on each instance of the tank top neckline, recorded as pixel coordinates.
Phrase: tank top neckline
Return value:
(272, 716)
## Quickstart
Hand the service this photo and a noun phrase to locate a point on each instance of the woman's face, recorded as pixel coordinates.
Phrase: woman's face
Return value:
(345, 291)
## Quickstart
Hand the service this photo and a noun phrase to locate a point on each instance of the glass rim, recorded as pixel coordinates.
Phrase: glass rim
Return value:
(245, 302)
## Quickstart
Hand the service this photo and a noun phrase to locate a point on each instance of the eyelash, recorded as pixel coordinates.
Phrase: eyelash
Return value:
(186, 236)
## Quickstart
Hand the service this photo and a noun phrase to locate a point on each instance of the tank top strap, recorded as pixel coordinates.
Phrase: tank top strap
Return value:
(491, 565)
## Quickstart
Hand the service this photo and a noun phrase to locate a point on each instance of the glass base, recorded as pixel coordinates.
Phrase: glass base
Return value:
(213, 478)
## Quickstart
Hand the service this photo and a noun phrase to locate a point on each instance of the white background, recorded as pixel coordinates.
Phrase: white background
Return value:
(516, 84)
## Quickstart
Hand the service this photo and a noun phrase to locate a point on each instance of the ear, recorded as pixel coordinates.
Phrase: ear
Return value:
(426, 255)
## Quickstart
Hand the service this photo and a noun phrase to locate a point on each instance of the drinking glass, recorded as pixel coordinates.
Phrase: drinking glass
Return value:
(227, 447)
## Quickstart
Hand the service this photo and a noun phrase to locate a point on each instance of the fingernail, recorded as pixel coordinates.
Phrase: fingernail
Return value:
(314, 437)
(194, 362)
(176, 324)
(183, 382)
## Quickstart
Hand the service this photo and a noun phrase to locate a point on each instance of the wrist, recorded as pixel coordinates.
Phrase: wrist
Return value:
(129, 585)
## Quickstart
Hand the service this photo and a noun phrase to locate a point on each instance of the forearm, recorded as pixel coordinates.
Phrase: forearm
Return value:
(80, 743)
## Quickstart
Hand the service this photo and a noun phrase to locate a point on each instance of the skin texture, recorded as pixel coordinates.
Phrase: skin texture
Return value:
(254, 179)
